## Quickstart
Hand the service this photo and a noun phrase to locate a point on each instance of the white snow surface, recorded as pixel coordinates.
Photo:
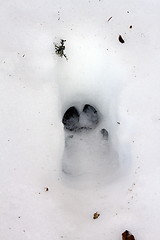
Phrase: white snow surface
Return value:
(118, 178)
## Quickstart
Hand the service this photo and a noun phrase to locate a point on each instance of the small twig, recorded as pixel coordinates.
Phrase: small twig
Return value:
(109, 19)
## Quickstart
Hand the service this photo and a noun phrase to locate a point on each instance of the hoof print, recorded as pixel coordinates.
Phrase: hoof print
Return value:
(104, 133)
(90, 117)
(71, 119)
(88, 158)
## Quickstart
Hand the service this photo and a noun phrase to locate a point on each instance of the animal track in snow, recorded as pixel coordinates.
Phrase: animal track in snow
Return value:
(90, 90)
(88, 119)
(88, 154)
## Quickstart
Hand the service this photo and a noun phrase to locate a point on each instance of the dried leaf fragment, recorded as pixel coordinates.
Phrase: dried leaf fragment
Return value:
(127, 236)
(96, 215)
(59, 49)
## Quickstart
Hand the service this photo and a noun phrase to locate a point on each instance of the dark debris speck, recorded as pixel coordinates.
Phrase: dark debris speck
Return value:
(121, 40)
(127, 236)
(46, 189)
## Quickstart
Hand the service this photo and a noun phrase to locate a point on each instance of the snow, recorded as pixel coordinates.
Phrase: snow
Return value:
(118, 177)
